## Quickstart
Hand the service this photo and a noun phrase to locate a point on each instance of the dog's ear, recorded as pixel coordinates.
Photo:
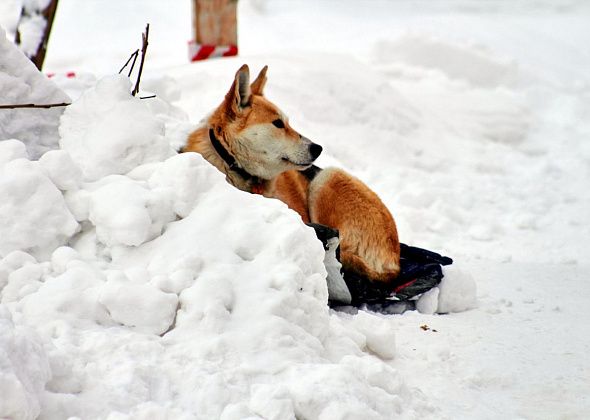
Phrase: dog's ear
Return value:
(239, 95)
(258, 84)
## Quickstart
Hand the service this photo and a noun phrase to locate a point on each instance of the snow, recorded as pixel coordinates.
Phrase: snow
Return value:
(32, 29)
(24, 369)
(33, 216)
(21, 83)
(100, 141)
(136, 283)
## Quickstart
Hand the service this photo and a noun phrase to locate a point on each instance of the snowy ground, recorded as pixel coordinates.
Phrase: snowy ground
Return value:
(470, 119)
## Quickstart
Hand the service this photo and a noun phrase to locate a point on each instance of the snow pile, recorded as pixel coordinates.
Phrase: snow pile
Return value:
(33, 216)
(176, 295)
(21, 83)
(24, 370)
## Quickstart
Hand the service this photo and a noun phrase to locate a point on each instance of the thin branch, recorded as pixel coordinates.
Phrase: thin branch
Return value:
(33, 106)
(132, 56)
(147, 97)
(144, 39)
(133, 64)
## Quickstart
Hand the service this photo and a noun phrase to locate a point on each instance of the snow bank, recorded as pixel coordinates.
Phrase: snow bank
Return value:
(21, 83)
(176, 295)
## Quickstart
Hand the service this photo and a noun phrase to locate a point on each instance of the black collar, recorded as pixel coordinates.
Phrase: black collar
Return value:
(230, 160)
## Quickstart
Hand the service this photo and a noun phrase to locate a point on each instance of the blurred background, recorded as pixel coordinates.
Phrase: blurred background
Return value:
(95, 35)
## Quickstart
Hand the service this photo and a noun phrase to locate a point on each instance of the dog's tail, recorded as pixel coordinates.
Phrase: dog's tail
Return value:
(356, 264)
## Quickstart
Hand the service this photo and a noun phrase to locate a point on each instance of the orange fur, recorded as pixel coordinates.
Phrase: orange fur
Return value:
(368, 236)
(243, 124)
(292, 188)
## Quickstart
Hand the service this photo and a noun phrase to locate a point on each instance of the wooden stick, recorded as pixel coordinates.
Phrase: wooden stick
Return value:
(144, 39)
(18, 106)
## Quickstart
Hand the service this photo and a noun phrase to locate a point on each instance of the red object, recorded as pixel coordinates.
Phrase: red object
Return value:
(197, 52)
(233, 50)
(257, 189)
(403, 286)
(69, 74)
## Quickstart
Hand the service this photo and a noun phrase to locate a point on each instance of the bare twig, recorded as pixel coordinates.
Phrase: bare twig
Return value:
(133, 64)
(18, 106)
(144, 39)
(133, 57)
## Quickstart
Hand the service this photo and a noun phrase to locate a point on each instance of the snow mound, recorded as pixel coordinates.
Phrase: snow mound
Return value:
(176, 287)
(100, 141)
(22, 83)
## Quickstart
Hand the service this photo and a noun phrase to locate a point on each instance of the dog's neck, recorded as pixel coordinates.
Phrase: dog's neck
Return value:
(205, 142)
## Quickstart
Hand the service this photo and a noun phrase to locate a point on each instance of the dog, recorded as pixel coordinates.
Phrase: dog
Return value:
(250, 140)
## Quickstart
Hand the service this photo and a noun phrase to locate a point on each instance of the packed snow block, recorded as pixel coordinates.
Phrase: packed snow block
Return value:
(428, 302)
(24, 370)
(457, 291)
(108, 131)
(33, 215)
(22, 83)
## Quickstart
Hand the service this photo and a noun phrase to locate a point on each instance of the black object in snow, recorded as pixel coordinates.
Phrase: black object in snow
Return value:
(421, 270)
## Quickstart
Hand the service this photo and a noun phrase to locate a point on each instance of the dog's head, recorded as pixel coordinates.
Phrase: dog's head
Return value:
(256, 133)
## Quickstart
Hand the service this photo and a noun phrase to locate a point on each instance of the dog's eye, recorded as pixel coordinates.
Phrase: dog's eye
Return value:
(278, 123)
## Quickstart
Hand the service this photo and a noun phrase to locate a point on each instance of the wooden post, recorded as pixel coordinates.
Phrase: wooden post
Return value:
(215, 28)
(47, 14)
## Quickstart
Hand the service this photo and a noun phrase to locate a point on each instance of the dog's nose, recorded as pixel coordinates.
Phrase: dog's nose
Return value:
(315, 150)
